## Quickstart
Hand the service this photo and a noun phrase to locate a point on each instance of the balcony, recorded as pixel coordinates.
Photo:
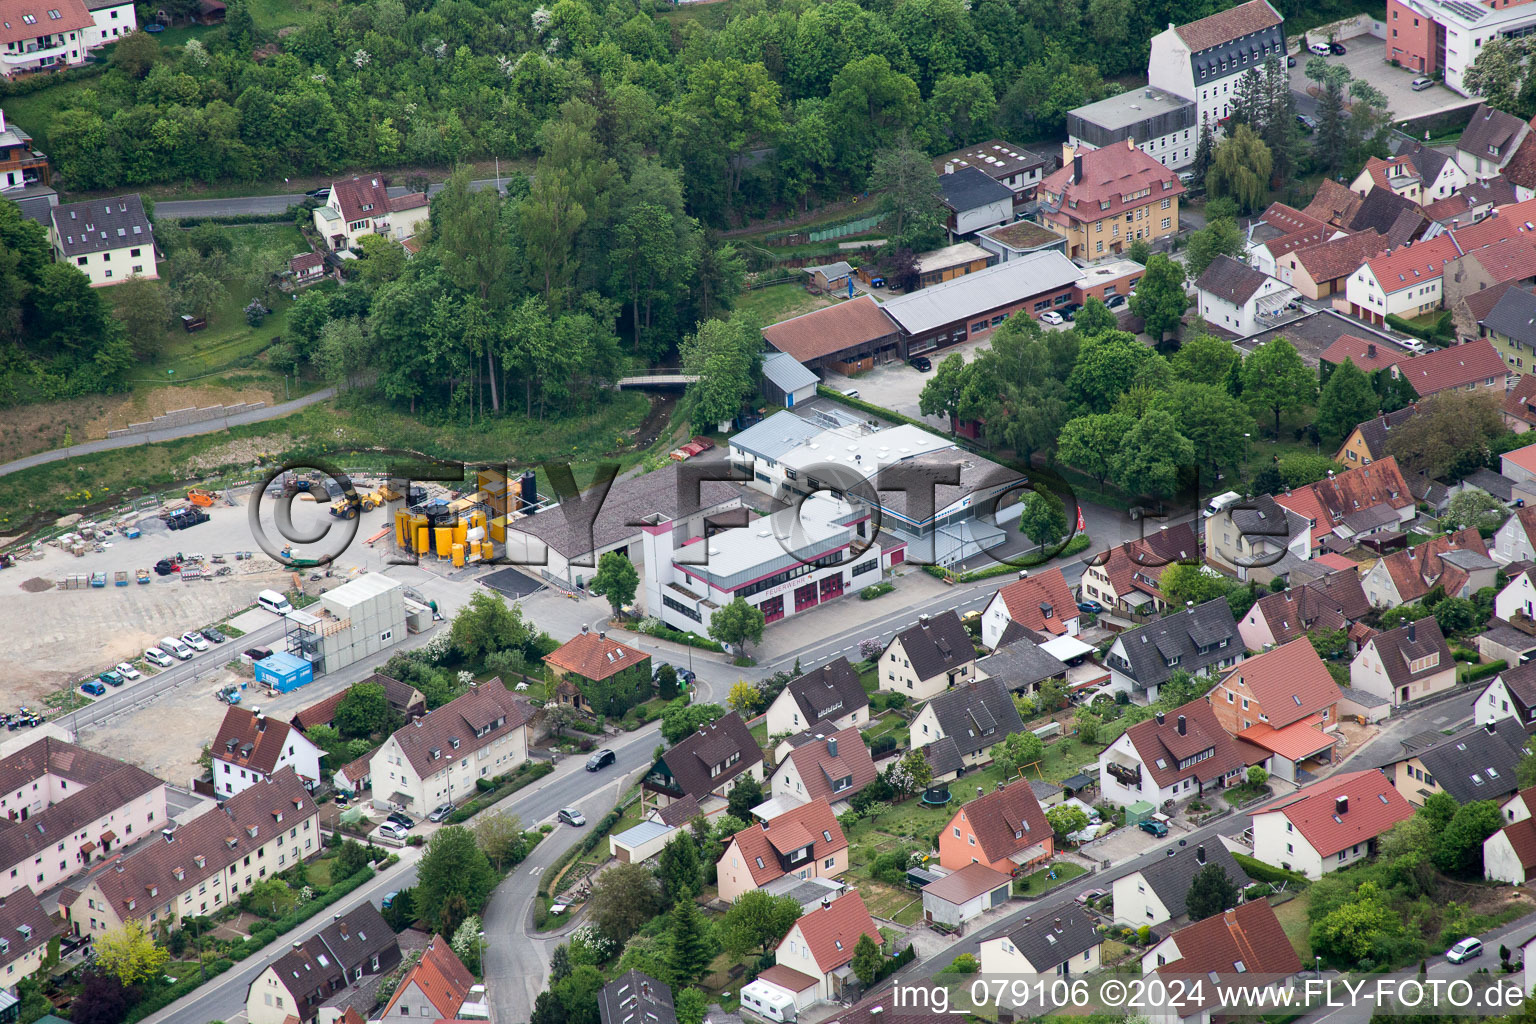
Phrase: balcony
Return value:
(1125, 774)
(43, 54)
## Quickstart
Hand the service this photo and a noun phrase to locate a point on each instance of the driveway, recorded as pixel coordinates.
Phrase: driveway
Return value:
(1367, 60)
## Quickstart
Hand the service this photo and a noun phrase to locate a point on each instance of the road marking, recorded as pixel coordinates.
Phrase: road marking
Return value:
(534, 871)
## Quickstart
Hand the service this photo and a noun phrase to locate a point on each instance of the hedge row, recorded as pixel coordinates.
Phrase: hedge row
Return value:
(29, 84)
(530, 772)
(1262, 872)
(164, 997)
(283, 217)
(1439, 334)
(1474, 673)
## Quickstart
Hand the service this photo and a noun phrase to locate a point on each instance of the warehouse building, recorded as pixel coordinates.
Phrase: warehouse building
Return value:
(355, 621)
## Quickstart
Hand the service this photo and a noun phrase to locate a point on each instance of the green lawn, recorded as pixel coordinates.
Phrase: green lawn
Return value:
(1038, 882)
(889, 723)
(779, 302)
(34, 112)
(1293, 918)
(228, 339)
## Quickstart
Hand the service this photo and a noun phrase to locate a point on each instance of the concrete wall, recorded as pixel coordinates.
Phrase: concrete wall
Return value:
(191, 414)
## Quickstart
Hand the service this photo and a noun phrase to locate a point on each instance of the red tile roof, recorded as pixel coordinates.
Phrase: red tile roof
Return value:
(787, 978)
(1521, 169)
(1522, 837)
(832, 931)
(1306, 238)
(1340, 257)
(1380, 171)
(1288, 219)
(595, 656)
(819, 768)
(245, 741)
(962, 886)
(1525, 458)
(1109, 174)
(810, 823)
(1295, 742)
(1409, 266)
(363, 198)
(1513, 220)
(1006, 821)
(1417, 570)
(1137, 564)
(442, 978)
(1024, 600)
(1520, 403)
(828, 331)
(1334, 560)
(306, 261)
(1250, 935)
(1509, 259)
(1373, 805)
(1334, 203)
(1161, 747)
(14, 28)
(1370, 354)
(1329, 501)
(1289, 683)
(1225, 26)
(1453, 367)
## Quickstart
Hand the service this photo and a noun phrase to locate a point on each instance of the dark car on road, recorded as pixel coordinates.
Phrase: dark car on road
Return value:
(1338, 49)
(922, 364)
(404, 821)
(93, 688)
(1157, 828)
(1091, 607)
(601, 759)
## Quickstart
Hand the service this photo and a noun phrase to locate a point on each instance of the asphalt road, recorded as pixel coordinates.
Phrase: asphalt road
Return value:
(212, 426)
(238, 205)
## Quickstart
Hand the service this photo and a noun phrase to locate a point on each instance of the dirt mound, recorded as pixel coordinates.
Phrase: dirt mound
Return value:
(36, 584)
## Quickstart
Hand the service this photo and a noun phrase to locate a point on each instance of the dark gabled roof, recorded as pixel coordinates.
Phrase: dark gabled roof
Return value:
(1496, 484)
(1047, 944)
(1170, 877)
(1514, 316)
(1520, 681)
(1380, 210)
(1160, 746)
(969, 187)
(943, 756)
(1231, 281)
(831, 691)
(1021, 664)
(937, 644)
(327, 963)
(692, 760)
(1490, 129)
(1374, 430)
(636, 998)
(24, 924)
(101, 225)
(1148, 648)
(977, 714)
(1429, 162)
(1477, 763)
(484, 715)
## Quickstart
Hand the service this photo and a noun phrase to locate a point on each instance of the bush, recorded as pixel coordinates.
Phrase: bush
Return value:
(874, 590)
(1262, 872)
(882, 745)
(891, 867)
(485, 785)
(1477, 672)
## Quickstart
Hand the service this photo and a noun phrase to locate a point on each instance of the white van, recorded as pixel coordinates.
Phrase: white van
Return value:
(170, 645)
(274, 602)
(1220, 502)
(769, 1002)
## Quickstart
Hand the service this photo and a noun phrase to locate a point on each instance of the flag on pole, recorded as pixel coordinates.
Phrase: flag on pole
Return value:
(1081, 526)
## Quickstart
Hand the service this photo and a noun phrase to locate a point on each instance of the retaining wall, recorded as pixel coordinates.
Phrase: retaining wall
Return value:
(191, 414)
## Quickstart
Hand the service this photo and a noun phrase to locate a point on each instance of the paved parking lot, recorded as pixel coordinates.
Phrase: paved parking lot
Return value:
(1367, 60)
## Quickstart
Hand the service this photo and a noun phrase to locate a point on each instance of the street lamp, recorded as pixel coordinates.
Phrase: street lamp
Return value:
(481, 936)
(1319, 966)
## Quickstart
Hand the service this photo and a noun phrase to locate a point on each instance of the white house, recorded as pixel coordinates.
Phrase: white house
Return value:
(830, 697)
(1239, 298)
(1405, 281)
(1173, 756)
(822, 942)
(928, 658)
(1511, 693)
(112, 19)
(1156, 893)
(363, 206)
(1066, 945)
(251, 747)
(1204, 60)
(1328, 825)
(1405, 664)
(37, 36)
(441, 756)
(1491, 139)
(1041, 602)
(1515, 541)
(107, 240)
(1509, 855)
(1518, 598)
(1245, 941)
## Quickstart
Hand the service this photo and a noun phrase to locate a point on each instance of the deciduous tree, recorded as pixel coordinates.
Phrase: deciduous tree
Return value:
(1092, 443)
(129, 953)
(452, 868)
(1044, 518)
(1160, 299)
(623, 898)
(737, 624)
(1275, 379)
(1241, 169)
(1152, 456)
(756, 922)
(616, 579)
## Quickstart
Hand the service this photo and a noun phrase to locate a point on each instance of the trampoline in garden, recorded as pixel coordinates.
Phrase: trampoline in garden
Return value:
(936, 796)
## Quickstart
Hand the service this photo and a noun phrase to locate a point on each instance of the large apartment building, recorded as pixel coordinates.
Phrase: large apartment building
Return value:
(1447, 35)
(1104, 199)
(63, 808)
(205, 864)
(1204, 60)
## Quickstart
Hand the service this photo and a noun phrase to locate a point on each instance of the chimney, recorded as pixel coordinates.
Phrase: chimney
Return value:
(826, 901)
(261, 721)
(1180, 725)
(831, 746)
(584, 627)
(1200, 854)
(1058, 924)
(875, 1011)
(949, 167)
(1159, 718)
(922, 620)
(298, 945)
(1370, 350)
(765, 824)
(1492, 727)
(1130, 144)
(1412, 629)
(1189, 606)
(602, 634)
(1077, 169)
(1340, 805)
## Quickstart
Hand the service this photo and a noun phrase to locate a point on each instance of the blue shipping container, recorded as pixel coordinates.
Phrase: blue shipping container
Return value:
(284, 672)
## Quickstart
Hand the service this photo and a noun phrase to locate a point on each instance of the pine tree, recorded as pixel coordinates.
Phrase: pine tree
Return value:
(1248, 102)
(1328, 148)
(678, 868)
(1205, 149)
(689, 954)
(1280, 131)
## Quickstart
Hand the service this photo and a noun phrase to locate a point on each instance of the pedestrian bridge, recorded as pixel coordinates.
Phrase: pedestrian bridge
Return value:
(672, 377)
